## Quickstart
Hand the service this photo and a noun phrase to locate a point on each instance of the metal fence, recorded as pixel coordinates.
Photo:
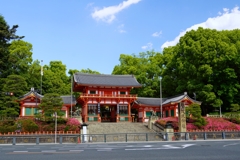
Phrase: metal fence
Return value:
(120, 137)
(177, 136)
(37, 139)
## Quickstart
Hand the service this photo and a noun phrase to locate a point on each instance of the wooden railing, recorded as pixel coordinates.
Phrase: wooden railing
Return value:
(108, 95)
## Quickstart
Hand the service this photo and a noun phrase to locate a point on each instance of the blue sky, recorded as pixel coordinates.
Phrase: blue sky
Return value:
(92, 34)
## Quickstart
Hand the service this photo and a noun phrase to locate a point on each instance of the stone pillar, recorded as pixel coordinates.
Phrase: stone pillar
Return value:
(151, 121)
(181, 117)
(170, 134)
(129, 114)
(84, 132)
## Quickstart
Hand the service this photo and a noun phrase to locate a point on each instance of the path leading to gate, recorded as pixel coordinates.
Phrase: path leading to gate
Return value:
(122, 127)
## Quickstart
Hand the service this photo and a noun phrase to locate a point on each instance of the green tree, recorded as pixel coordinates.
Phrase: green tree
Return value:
(71, 72)
(20, 57)
(7, 34)
(55, 79)
(235, 108)
(207, 62)
(51, 103)
(9, 105)
(89, 71)
(146, 67)
(34, 75)
(195, 110)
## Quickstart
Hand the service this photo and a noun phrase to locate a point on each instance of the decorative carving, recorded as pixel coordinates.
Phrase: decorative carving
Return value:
(77, 112)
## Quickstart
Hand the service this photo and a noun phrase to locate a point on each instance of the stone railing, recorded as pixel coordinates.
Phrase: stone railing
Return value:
(223, 116)
(215, 116)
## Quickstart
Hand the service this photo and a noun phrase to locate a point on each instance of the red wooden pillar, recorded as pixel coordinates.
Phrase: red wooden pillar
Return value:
(85, 112)
(175, 114)
(129, 113)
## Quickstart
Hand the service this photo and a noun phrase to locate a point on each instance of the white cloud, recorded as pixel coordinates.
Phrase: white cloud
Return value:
(108, 14)
(228, 20)
(148, 46)
(157, 34)
(121, 29)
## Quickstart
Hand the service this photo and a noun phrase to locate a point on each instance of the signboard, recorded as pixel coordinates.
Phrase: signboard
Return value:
(181, 117)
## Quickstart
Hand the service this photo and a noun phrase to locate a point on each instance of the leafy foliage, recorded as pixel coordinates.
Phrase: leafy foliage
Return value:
(195, 110)
(55, 79)
(205, 61)
(26, 125)
(7, 34)
(9, 105)
(147, 67)
(51, 103)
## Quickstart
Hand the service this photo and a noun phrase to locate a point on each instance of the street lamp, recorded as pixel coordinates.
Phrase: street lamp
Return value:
(160, 96)
(71, 93)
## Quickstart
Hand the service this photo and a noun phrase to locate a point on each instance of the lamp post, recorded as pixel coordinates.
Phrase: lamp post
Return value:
(71, 94)
(160, 96)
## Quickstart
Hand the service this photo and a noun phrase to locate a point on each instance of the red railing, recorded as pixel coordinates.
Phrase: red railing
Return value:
(108, 95)
(39, 133)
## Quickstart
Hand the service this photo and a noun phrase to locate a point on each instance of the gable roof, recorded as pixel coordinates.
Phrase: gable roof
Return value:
(180, 97)
(156, 101)
(33, 93)
(67, 99)
(84, 79)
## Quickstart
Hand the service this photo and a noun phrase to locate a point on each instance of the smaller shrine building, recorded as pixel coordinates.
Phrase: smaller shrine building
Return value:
(30, 101)
(146, 106)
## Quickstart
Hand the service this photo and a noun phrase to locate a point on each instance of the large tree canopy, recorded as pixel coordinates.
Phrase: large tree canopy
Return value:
(55, 79)
(9, 105)
(205, 61)
(7, 34)
(20, 57)
(147, 67)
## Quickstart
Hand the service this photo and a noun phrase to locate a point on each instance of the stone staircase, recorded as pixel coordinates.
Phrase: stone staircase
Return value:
(122, 127)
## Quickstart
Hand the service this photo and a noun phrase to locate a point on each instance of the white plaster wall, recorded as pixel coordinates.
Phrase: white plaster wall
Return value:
(23, 111)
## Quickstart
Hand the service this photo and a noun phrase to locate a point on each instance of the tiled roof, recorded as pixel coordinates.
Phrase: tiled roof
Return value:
(67, 99)
(156, 101)
(106, 80)
(149, 101)
(32, 92)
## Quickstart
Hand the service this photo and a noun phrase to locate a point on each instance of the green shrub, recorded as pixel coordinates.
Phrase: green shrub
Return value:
(26, 125)
(66, 128)
(195, 110)
(48, 127)
(6, 129)
(61, 121)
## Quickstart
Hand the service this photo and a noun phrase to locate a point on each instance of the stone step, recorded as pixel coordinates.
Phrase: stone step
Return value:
(108, 128)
